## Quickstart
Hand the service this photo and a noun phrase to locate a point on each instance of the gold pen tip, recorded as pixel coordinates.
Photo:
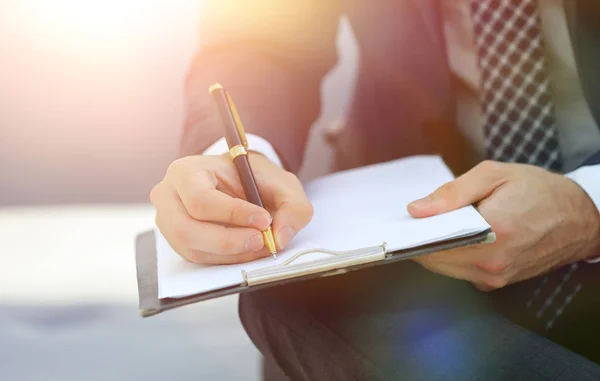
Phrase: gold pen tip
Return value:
(269, 240)
(214, 87)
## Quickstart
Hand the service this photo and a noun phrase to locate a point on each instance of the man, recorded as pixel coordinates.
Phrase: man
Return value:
(513, 82)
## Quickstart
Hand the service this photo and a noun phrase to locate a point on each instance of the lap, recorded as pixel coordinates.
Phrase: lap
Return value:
(398, 321)
(563, 306)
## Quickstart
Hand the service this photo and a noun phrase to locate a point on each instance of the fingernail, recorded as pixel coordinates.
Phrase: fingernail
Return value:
(255, 243)
(420, 204)
(261, 221)
(285, 236)
(434, 201)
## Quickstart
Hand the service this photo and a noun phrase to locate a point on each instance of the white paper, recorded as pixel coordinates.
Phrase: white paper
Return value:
(353, 209)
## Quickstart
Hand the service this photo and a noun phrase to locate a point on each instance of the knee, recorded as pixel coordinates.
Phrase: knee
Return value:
(255, 309)
(250, 314)
(264, 309)
(272, 317)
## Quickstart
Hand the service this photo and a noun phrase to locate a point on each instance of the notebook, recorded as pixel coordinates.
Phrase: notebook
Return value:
(360, 219)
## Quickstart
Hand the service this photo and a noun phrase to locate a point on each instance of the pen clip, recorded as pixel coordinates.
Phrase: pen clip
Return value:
(237, 120)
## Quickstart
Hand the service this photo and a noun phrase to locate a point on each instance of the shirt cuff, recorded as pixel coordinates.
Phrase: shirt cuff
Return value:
(588, 178)
(255, 143)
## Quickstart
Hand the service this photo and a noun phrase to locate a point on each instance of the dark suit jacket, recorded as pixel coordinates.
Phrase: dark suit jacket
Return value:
(273, 54)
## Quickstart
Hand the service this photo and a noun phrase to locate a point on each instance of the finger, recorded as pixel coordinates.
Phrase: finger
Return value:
(483, 287)
(215, 259)
(461, 256)
(184, 231)
(293, 209)
(480, 279)
(196, 188)
(201, 257)
(283, 192)
(468, 273)
(472, 187)
(212, 205)
(289, 220)
(454, 271)
(213, 238)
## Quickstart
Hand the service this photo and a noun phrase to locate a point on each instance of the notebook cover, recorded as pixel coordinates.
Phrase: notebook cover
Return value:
(147, 276)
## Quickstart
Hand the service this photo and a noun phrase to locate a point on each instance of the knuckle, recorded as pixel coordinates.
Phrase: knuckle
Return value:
(302, 206)
(180, 233)
(496, 281)
(302, 212)
(291, 179)
(226, 243)
(487, 165)
(491, 166)
(194, 256)
(197, 166)
(197, 207)
(495, 266)
(210, 259)
(503, 229)
(449, 188)
(175, 166)
(207, 175)
(236, 211)
(307, 210)
(482, 287)
(425, 260)
(449, 192)
(153, 195)
(156, 192)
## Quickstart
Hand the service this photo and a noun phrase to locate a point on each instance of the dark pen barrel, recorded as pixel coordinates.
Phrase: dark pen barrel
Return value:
(233, 139)
(236, 141)
(247, 178)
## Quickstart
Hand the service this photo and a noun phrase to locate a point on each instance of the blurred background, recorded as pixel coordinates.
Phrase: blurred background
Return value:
(91, 109)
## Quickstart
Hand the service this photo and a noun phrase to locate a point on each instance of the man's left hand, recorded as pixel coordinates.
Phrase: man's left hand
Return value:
(542, 220)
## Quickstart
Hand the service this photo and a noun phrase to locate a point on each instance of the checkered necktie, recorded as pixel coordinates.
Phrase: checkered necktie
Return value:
(518, 114)
(515, 93)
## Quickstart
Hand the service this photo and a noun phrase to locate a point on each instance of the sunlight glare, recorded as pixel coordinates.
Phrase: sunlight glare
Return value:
(95, 21)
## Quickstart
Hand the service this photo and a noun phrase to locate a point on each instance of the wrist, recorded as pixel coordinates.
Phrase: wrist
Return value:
(587, 181)
(587, 214)
(594, 252)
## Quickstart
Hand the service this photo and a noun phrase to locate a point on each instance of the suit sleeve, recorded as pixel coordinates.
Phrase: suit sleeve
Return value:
(271, 55)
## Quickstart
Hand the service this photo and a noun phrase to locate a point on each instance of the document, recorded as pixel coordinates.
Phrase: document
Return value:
(353, 209)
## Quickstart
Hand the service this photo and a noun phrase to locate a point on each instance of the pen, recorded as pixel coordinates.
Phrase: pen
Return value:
(238, 146)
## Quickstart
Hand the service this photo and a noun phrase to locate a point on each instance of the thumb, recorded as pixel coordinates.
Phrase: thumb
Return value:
(467, 189)
(284, 194)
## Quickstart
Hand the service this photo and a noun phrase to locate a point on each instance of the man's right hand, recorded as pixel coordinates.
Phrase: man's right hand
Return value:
(202, 212)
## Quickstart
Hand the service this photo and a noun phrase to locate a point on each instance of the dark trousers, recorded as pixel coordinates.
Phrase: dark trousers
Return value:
(401, 322)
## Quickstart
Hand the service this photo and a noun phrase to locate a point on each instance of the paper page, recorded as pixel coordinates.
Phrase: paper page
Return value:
(353, 209)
